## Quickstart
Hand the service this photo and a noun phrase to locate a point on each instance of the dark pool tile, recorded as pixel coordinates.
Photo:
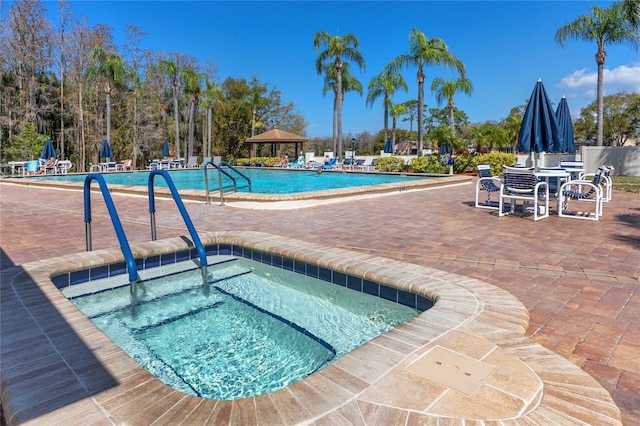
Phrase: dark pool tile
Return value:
(287, 264)
(312, 271)
(276, 260)
(354, 283)
(389, 293)
(118, 269)
(181, 256)
(407, 299)
(215, 249)
(339, 279)
(99, 272)
(152, 262)
(371, 288)
(61, 281)
(139, 264)
(168, 259)
(424, 303)
(324, 274)
(300, 267)
(79, 277)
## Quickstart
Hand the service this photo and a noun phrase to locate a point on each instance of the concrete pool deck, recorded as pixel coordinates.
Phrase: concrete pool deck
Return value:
(578, 280)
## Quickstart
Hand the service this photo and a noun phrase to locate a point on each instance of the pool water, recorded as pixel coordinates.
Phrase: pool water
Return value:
(252, 330)
(264, 181)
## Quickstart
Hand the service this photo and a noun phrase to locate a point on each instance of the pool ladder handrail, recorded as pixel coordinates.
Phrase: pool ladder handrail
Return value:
(220, 173)
(183, 211)
(117, 225)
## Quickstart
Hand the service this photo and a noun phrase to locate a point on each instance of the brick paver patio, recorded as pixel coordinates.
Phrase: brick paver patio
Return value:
(579, 279)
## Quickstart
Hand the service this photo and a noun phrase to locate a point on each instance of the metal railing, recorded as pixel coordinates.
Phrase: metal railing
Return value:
(232, 188)
(183, 211)
(117, 225)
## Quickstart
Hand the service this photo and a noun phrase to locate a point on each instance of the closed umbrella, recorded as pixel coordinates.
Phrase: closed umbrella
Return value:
(106, 151)
(388, 146)
(48, 150)
(444, 149)
(539, 131)
(566, 126)
(165, 148)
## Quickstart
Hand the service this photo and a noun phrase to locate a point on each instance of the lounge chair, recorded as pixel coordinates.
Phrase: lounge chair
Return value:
(32, 166)
(331, 164)
(205, 160)
(193, 162)
(298, 163)
(584, 191)
(522, 184)
(64, 166)
(487, 182)
(125, 165)
(154, 165)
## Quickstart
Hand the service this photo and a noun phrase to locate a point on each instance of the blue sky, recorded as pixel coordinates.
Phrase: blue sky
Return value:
(505, 45)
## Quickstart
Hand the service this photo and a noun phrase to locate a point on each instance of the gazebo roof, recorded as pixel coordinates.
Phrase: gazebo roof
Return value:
(276, 136)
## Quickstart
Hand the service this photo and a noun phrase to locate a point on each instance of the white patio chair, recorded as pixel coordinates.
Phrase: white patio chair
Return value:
(522, 184)
(584, 191)
(489, 183)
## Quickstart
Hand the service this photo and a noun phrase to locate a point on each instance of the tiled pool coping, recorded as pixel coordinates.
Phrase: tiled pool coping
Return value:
(57, 366)
(193, 194)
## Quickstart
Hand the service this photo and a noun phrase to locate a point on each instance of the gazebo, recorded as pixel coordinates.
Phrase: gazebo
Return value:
(274, 137)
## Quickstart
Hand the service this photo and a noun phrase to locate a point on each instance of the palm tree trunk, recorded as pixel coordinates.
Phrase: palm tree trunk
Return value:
(600, 58)
(176, 117)
(109, 117)
(451, 117)
(339, 103)
(335, 124)
(83, 158)
(420, 79)
(386, 117)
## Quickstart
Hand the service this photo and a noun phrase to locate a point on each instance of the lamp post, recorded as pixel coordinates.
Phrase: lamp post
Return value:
(353, 151)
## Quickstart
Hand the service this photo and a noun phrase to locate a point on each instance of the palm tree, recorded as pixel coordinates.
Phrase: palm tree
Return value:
(411, 113)
(191, 83)
(109, 68)
(337, 48)
(385, 84)
(424, 51)
(172, 70)
(349, 84)
(603, 26)
(396, 111)
(446, 89)
(631, 10)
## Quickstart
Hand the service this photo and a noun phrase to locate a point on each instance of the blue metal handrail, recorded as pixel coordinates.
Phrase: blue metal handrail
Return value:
(183, 211)
(117, 225)
(220, 173)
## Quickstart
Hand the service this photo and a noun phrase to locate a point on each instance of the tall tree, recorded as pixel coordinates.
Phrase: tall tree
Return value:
(385, 84)
(424, 51)
(133, 35)
(446, 89)
(603, 26)
(63, 10)
(172, 70)
(349, 84)
(109, 70)
(336, 49)
(396, 111)
(191, 82)
(411, 113)
(631, 9)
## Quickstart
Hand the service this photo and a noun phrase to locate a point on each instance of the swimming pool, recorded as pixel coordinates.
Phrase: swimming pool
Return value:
(252, 330)
(263, 181)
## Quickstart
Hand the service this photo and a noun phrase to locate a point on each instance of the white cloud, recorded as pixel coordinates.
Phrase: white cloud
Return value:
(620, 79)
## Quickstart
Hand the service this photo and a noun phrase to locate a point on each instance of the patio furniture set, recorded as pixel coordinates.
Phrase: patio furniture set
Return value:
(537, 188)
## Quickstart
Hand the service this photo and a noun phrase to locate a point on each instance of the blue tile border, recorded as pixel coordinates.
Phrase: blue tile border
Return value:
(338, 278)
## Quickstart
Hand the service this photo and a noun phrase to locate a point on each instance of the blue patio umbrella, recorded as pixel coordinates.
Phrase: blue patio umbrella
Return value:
(566, 126)
(444, 149)
(48, 150)
(539, 130)
(106, 151)
(388, 146)
(165, 148)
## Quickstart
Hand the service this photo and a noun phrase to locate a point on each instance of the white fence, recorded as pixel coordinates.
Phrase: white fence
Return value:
(625, 159)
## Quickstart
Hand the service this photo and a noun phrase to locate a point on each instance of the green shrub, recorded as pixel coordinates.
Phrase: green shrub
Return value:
(264, 161)
(390, 164)
(496, 160)
(427, 164)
